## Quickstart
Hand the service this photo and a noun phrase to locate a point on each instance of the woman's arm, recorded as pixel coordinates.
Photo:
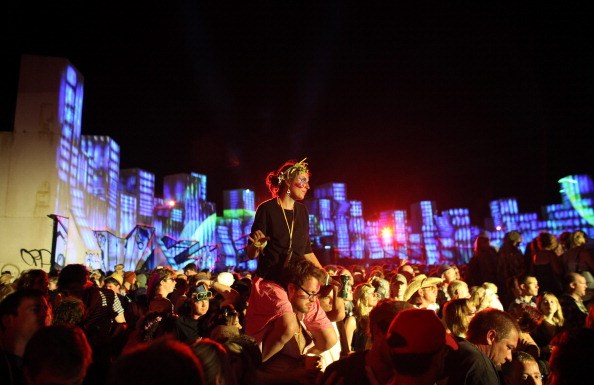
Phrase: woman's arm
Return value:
(311, 257)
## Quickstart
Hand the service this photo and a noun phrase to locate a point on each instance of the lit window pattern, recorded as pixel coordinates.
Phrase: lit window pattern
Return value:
(579, 190)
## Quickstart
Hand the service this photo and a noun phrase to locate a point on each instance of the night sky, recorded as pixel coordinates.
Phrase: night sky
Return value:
(460, 104)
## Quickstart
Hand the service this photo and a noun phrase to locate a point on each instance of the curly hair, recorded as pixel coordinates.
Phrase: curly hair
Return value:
(70, 311)
(528, 317)
(287, 172)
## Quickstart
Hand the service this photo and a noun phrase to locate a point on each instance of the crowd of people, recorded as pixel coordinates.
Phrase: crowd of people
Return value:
(507, 317)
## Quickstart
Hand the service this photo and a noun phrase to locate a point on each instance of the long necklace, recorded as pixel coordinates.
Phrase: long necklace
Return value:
(299, 338)
(290, 228)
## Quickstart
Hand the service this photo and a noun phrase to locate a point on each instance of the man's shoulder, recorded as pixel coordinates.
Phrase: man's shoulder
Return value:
(468, 365)
(566, 299)
(466, 357)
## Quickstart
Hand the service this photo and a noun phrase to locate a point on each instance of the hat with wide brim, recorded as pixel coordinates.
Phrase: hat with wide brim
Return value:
(421, 281)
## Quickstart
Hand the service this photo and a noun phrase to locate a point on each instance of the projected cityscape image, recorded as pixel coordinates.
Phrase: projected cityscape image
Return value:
(80, 207)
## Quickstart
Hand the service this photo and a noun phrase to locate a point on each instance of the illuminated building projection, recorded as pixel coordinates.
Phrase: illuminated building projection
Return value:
(103, 216)
(579, 190)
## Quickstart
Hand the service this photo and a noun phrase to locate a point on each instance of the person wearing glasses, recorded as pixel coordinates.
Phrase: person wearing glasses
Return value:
(288, 365)
(279, 238)
(191, 324)
(422, 292)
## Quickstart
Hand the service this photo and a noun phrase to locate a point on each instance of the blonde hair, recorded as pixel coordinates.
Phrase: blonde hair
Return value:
(362, 307)
(490, 286)
(558, 317)
(478, 297)
(455, 315)
(455, 286)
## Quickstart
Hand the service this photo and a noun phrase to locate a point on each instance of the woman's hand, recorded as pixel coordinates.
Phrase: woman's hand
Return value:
(259, 239)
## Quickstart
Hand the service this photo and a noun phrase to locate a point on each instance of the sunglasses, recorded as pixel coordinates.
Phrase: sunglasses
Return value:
(202, 296)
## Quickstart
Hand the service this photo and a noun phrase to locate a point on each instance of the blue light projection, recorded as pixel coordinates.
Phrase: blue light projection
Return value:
(104, 202)
(579, 189)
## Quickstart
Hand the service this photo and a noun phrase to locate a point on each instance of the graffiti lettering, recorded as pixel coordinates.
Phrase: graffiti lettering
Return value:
(36, 257)
(94, 260)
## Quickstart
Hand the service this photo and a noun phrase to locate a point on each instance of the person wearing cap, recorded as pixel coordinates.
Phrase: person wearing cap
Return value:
(422, 292)
(491, 337)
(191, 324)
(448, 274)
(119, 273)
(113, 283)
(398, 285)
(371, 366)
(221, 288)
(104, 311)
(418, 344)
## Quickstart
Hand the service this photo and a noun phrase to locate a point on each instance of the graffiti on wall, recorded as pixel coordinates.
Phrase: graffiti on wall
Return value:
(131, 251)
(36, 258)
(93, 260)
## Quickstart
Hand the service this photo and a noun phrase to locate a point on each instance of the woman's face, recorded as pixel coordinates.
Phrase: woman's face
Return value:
(299, 186)
(579, 239)
(548, 305)
(371, 298)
